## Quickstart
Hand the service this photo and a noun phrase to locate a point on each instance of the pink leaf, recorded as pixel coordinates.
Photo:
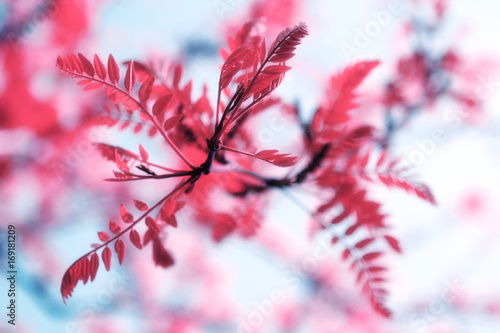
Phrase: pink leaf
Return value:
(365, 159)
(161, 104)
(284, 45)
(346, 254)
(77, 65)
(382, 159)
(93, 86)
(126, 216)
(85, 269)
(60, 62)
(94, 265)
(113, 70)
(237, 60)
(142, 206)
(114, 227)
(376, 269)
(137, 128)
(171, 220)
(135, 238)
(167, 209)
(341, 217)
(152, 225)
(352, 229)
(276, 69)
(172, 122)
(148, 237)
(393, 242)
(341, 90)
(120, 164)
(120, 250)
(85, 82)
(144, 154)
(161, 257)
(273, 157)
(129, 81)
(87, 65)
(103, 236)
(106, 258)
(363, 243)
(371, 256)
(146, 88)
(100, 69)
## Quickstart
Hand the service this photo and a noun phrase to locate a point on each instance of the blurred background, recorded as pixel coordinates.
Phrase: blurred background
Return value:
(445, 125)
